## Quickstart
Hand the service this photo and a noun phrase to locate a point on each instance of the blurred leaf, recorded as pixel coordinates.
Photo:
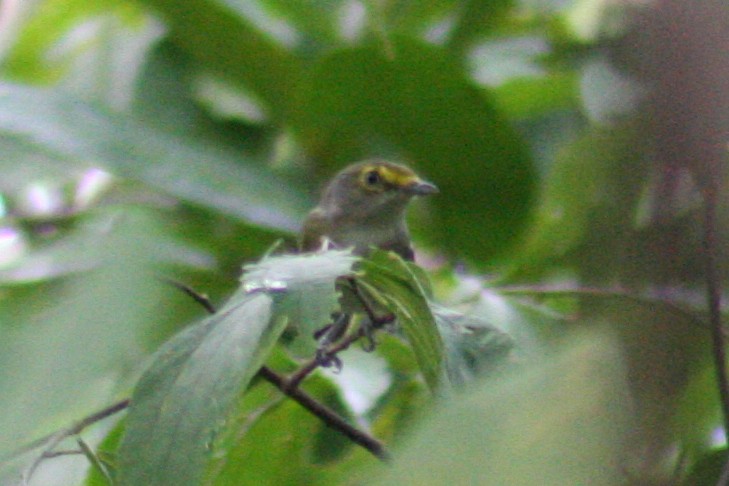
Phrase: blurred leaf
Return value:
(520, 428)
(533, 97)
(473, 346)
(316, 18)
(581, 179)
(391, 282)
(708, 470)
(406, 398)
(46, 46)
(418, 104)
(664, 350)
(84, 247)
(608, 94)
(24, 163)
(476, 18)
(88, 332)
(184, 397)
(252, 57)
(193, 171)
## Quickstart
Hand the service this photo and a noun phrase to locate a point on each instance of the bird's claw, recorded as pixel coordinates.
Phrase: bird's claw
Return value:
(328, 360)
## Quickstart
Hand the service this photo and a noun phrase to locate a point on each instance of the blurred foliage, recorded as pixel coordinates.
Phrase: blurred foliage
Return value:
(573, 144)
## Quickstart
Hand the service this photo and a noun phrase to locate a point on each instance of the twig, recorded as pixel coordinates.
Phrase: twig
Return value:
(201, 299)
(52, 440)
(377, 322)
(95, 461)
(607, 293)
(65, 452)
(306, 369)
(327, 415)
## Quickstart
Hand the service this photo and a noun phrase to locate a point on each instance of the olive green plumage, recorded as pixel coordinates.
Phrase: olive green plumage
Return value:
(364, 206)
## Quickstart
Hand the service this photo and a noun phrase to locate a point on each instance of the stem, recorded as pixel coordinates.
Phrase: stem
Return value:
(52, 440)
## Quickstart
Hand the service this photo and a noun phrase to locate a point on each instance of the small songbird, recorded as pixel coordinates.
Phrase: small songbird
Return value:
(364, 206)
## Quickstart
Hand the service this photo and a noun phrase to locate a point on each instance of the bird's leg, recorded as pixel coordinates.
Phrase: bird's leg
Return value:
(368, 332)
(329, 335)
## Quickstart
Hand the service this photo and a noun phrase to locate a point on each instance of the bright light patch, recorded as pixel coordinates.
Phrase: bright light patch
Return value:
(42, 200)
(718, 437)
(363, 379)
(90, 186)
(12, 245)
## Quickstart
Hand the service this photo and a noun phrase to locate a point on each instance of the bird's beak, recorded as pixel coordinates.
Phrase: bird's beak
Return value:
(421, 188)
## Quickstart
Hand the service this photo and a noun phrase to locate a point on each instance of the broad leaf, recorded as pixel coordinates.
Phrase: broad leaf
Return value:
(307, 306)
(520, 428)
(391, 282)
(66, 128)
(251, 58)
(473, 346)
(185, 396)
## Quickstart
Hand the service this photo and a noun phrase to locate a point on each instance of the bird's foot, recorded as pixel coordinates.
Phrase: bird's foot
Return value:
(325, 359)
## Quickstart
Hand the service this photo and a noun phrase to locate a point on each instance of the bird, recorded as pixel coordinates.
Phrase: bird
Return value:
(361, 208)
(364, 207)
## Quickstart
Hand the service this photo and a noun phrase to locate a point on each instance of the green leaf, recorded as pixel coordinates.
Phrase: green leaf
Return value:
(477, 17)
(708, 469)
(307, 286)
(184, 397)
(586, 175)
(211, 176)
(88, 331)
(530, 98)
(277, 441)
(392, 283)
(46, 48)
(419, 105)
(473, 346)
(103, 451)
(221, 35)
(519, 428)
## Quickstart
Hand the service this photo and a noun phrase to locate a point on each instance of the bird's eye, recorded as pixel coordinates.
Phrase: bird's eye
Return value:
(372, 178)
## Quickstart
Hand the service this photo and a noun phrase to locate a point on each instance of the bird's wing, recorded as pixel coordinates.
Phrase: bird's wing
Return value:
(314, 231)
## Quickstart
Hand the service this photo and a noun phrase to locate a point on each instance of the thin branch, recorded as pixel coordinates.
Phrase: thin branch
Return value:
(306, 369)
(326, 414)
(201, 299)
(290, 389)
(65, 452)
(609, 293)
(377, 322)
(51, 441)
(95, 460)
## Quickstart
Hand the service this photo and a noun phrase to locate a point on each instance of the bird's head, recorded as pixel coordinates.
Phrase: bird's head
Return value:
(373, 189)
